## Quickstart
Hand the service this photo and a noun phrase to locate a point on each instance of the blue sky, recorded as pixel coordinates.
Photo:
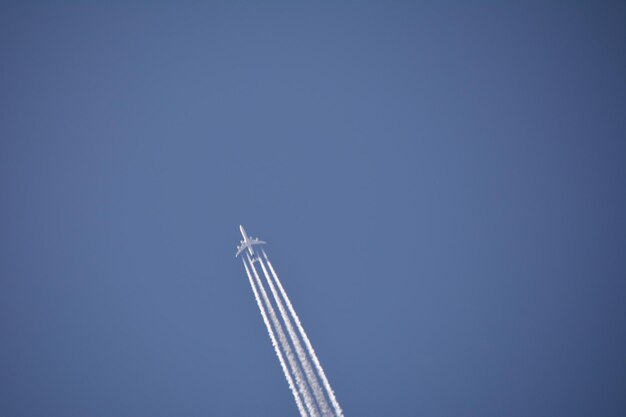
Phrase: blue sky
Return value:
(441, 187)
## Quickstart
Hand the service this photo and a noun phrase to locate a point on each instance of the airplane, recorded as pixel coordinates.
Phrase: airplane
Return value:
(247, 242)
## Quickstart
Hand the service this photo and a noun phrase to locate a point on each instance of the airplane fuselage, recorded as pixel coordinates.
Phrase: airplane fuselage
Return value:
(247, 242)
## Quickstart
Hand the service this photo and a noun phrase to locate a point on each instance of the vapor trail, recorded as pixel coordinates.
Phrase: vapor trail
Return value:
(307, 342)
(283, 365)
(304, 361)
(303, 388)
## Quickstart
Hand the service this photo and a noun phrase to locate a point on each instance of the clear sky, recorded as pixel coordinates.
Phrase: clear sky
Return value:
(443, 190)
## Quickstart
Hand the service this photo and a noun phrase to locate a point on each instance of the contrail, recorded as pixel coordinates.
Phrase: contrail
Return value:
(307, 342)
(304, 390)
(304, 361)
(283, 365)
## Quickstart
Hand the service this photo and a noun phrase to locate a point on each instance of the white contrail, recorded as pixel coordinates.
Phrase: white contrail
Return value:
(303, 388)
(304, 361)
(307, 342)
(283, 365)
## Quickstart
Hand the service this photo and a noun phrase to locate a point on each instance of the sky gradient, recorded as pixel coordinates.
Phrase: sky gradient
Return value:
(442, 189)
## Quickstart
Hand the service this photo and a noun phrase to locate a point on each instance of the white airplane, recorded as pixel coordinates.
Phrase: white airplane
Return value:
(247, 242)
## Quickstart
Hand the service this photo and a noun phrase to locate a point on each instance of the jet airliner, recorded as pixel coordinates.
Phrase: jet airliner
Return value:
(247, 242)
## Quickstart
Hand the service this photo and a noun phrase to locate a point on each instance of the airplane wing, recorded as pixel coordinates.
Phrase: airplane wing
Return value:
(248, 244)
